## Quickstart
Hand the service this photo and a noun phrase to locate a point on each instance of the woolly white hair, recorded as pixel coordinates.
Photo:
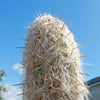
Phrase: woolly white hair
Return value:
(52, 62)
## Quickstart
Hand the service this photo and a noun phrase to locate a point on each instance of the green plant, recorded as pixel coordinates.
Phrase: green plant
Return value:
(2, 89)
(51, 59)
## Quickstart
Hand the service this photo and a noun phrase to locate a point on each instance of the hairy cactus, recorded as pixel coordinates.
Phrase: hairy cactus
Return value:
(51, 59)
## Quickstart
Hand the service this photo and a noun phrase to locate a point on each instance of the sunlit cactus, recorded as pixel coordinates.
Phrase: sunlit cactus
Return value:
(51, 59)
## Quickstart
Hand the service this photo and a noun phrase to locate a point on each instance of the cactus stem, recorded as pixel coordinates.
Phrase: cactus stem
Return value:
(52, 61)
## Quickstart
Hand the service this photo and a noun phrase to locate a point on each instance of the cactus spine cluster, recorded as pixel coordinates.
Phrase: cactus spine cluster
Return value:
(51, 59)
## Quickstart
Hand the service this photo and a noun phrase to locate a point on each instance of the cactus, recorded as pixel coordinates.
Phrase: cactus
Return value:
(51, 59)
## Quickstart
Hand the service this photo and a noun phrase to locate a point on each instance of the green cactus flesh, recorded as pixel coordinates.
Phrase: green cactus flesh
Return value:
(52, 62)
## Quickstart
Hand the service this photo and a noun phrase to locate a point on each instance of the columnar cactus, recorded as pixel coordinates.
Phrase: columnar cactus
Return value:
(52, 62)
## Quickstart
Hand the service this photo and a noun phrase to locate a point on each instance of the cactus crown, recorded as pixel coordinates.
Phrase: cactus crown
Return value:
(52, 62)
